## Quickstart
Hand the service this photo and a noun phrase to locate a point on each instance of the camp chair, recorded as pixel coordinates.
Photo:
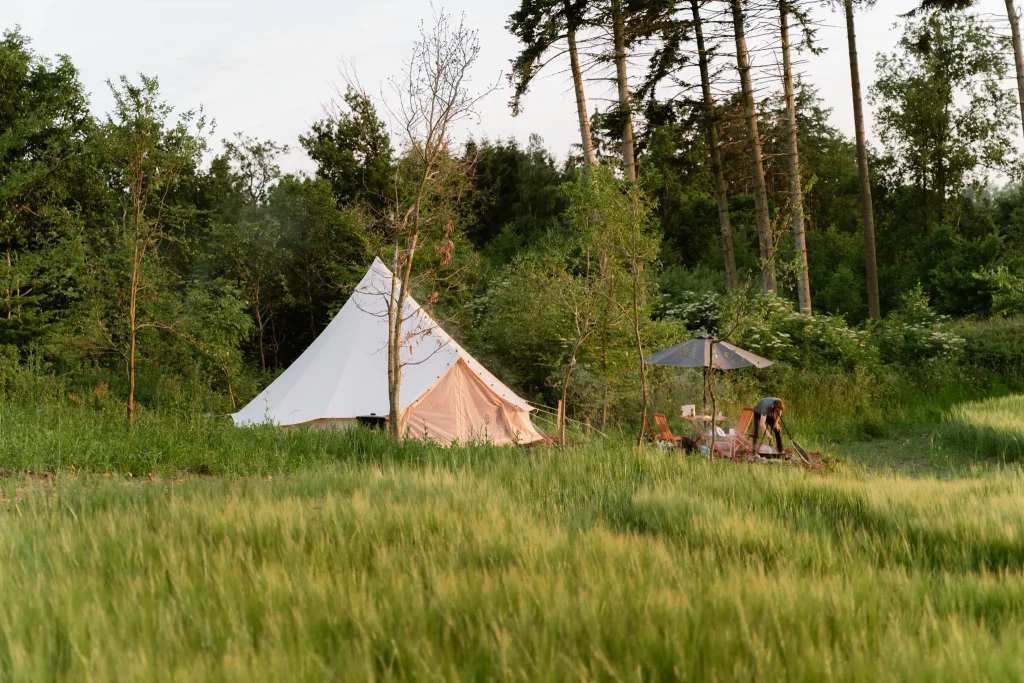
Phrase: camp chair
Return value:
(664, 432)
(743, 428)
(652, 435)
(746, 420)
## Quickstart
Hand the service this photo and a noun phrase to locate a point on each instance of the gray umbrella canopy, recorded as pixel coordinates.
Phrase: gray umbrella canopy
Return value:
(707, 352)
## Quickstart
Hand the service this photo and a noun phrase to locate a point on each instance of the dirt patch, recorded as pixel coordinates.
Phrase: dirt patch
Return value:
(819, 462)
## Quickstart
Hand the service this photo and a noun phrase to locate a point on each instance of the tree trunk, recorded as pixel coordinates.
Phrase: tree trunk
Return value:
(7, 290)
(581, 101)
(605, 325)
(1018, 52)
(721, 190)
(640, 353)
(796, 195)
(619, 35)
(394, 352)
(260, 326)
(132, 331)
(764, 227)
(867, 213)
(565, 385)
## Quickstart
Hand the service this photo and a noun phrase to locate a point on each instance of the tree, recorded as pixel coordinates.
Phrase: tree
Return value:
(625, 113)
(51, 188)
(149, 154)
(432, 96)
(327, 249)
(638, 248)
(251, 254)
(764, 227)
(796, 198)
(1014, 20)
(1018, 53)
(246, 246)
(942, 113)
(867, 211)
(540, 25)
(255, 166)
(352, 149)
(711, 127)
(514, 195)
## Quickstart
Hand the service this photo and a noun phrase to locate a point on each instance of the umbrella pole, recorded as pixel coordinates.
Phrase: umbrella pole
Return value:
(714, 412)
(704, 404)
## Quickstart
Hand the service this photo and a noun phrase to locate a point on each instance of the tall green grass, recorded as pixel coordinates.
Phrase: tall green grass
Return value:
(993, 428)
(320, 555)
(599, 563)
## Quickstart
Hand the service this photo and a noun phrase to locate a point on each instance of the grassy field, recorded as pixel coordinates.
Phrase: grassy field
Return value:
(992, 429)
(289, 556)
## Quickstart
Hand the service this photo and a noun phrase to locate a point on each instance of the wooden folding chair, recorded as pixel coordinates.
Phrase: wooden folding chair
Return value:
(746, 420)
(743, 426)
(664, 432)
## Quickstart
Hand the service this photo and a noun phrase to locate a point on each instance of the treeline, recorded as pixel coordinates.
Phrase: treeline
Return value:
(139, 271)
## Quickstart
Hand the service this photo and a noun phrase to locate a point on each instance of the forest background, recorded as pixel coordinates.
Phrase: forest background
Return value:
(141, 272)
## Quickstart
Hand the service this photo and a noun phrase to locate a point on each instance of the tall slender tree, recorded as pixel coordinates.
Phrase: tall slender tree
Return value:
(796, 196)
(714, 142)
(540, 26)
(764, 227)
(867, 211)
(1018, 52)
(618, 20)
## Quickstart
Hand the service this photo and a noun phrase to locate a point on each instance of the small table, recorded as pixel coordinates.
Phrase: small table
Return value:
(701, 422)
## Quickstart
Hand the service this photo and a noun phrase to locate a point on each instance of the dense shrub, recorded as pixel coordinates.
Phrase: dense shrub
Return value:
(914, 334)
(994, 345)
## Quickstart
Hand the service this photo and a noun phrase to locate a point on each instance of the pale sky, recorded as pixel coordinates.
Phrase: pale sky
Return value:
(267, 68)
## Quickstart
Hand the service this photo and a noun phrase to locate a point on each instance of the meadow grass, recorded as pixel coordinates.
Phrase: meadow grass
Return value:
(184, 549)
(361, 560)
(992, 428)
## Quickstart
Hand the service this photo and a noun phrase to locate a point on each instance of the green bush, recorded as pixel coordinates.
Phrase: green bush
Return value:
(996, 345)
(915, 334)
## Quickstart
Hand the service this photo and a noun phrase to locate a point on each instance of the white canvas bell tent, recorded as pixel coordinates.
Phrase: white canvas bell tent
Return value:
(446, 395)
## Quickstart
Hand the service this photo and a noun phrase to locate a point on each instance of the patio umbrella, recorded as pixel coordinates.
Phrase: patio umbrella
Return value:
(707, 352)
(711, 354)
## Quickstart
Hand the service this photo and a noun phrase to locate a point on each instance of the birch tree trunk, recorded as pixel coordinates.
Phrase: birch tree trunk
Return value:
(581, 101)
(764, 227)
(1018, 52)
(619, 35)
(867, 213)
(721, 190)
(796, 195)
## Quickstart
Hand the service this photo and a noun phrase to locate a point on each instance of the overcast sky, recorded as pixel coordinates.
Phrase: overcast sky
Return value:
(267, 67)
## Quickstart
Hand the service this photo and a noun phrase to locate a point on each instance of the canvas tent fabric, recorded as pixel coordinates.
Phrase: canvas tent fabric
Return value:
(707, 352)
(446, 395)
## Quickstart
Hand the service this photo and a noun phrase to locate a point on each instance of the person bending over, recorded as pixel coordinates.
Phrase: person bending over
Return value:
(767, 415)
